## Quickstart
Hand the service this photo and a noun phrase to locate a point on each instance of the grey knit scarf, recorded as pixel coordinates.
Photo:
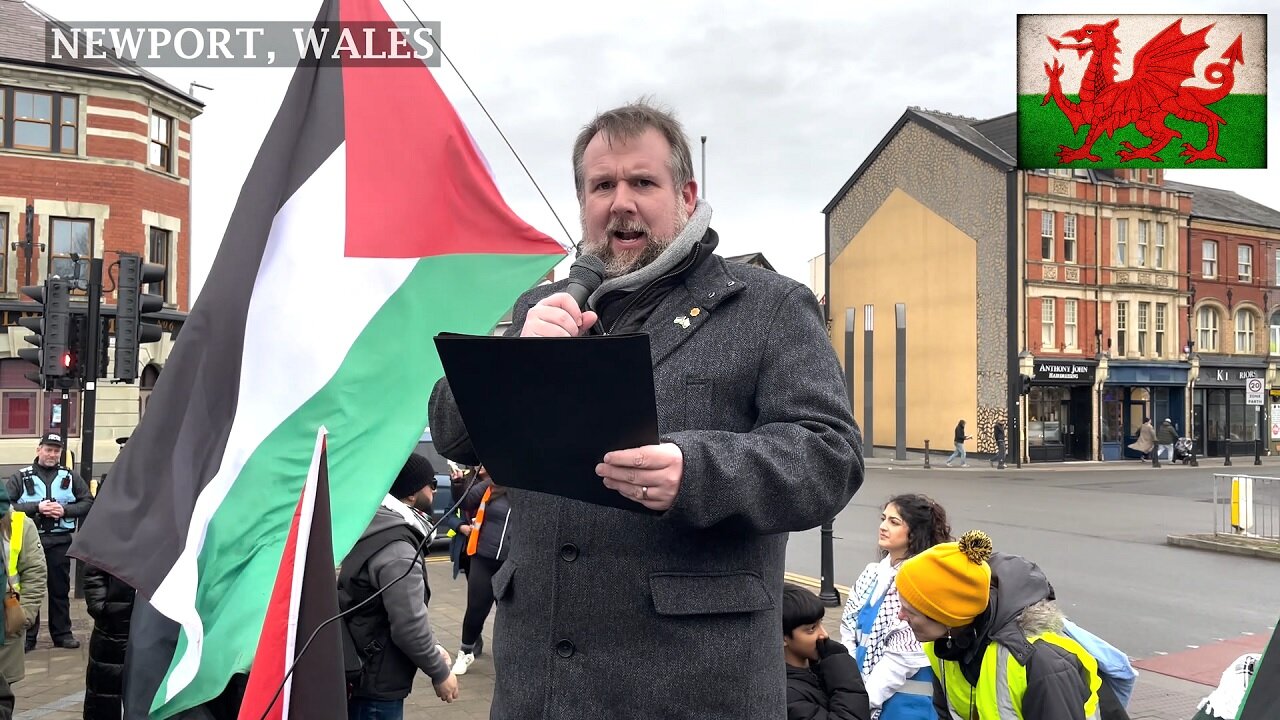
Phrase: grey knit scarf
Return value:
(675, 253)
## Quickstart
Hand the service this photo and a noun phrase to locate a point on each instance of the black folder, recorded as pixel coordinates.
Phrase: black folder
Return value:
(542, 412)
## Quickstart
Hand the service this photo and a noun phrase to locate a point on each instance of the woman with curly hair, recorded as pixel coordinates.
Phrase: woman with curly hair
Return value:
(894, 667)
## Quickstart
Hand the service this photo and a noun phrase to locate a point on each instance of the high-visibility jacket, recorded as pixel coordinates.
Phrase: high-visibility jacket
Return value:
(18, 522)
(1002, 682)
(473, 542)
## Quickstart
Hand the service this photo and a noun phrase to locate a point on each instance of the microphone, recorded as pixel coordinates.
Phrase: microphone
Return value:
(585, 275)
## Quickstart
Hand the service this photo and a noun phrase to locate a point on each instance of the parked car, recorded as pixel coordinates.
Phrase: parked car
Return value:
(444, 486)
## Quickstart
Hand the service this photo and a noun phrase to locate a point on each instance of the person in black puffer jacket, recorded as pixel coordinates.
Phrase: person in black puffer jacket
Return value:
(110, 603)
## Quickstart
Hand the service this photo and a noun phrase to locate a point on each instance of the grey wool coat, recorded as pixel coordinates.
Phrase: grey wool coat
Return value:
(605, 613)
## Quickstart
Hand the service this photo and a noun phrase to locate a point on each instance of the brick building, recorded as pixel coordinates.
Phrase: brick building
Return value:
(1083, 280)
(93, 162)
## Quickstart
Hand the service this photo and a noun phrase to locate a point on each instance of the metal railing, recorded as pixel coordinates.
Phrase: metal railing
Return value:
(1246, 506)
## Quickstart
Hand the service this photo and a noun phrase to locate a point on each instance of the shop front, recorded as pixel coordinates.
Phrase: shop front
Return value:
(1137, 390)
(1060, 410)
(1220, 414)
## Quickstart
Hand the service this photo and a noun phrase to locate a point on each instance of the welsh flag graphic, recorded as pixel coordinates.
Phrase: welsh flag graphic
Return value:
(367, 224)
(1171, 91)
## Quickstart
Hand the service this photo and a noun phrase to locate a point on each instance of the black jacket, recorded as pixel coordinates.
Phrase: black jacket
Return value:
(110, 603)
(493, 534)
(960, 432)
(829, 689)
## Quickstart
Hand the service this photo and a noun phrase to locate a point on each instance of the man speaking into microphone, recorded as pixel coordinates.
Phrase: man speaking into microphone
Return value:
(605, 613)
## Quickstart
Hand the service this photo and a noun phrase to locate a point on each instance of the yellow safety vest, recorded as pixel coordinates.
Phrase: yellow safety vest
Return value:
(15, 544)
(1002, 683)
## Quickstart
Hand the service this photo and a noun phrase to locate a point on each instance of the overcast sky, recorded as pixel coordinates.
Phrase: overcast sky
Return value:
(792, 96)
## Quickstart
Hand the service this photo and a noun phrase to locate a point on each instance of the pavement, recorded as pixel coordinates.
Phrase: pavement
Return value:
(1169, 687)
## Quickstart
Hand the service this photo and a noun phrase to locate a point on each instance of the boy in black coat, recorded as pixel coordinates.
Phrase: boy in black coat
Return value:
(823, 681)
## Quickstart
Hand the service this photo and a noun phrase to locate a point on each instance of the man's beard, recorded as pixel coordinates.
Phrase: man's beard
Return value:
(619, 264)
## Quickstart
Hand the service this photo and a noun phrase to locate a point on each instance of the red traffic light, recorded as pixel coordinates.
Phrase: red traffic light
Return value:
(66, 359)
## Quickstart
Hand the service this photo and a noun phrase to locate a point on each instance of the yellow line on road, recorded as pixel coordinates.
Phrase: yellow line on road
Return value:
(811, 582)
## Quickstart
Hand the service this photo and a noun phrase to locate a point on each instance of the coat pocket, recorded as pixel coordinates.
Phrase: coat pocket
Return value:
(502, 580)
(708, 593)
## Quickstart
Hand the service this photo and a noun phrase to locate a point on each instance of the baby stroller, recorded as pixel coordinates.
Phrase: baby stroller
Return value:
(1182, 450)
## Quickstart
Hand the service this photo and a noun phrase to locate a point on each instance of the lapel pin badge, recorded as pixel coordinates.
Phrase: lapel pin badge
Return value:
(683, 322)
(695, 312)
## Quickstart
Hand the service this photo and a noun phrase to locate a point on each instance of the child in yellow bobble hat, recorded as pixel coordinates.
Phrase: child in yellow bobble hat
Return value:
(994, 635)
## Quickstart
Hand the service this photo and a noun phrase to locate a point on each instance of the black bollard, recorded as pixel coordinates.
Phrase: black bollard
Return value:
(1155, 456)
(1257, 452)
(926, 455)
(1227, 461)
(1193, 462)
(829, 596)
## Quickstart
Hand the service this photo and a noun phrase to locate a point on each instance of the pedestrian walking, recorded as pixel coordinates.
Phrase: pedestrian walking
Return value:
(960, 438)
(1146, 441)
(1167, 436)
(1002, 443)
(891, 661)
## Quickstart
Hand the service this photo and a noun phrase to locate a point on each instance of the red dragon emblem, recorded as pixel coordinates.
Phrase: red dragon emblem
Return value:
(1145, 100)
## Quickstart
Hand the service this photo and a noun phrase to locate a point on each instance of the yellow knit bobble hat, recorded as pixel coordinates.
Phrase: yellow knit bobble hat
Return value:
(951, 582)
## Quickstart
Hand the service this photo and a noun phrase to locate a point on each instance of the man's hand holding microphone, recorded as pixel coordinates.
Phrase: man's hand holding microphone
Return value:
(648, 475)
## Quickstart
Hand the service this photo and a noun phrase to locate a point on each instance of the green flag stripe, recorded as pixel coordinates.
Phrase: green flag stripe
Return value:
(1242, 141)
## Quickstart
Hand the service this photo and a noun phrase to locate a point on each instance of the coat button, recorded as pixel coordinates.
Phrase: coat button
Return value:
(564, 649)
(568, 552)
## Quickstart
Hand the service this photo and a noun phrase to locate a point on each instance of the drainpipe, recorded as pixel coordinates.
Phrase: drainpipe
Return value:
(1097, 313)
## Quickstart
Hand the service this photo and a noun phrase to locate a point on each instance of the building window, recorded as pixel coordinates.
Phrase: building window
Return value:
(1207, 323)
(1122, 242)
(1209, 261)
(1069, 238)
(70, 237)
(1276, 278)
(158, 253)
(1161, 312)
(33, 120)
(1244, 256)
(1048, 333)
(1144, 310)
(1071, 336)
(1161, 242)
(1046, 235)
(1275, 333)
(1122, 328)
(1144, 239)
(1244, 331)
(28, 411)
(160, 152)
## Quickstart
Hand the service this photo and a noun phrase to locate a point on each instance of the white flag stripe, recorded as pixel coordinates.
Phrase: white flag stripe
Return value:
(1133, 32)
(299, 569)
(296, 287)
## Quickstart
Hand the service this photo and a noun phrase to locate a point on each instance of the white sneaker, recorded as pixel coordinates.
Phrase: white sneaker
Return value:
(463, 662)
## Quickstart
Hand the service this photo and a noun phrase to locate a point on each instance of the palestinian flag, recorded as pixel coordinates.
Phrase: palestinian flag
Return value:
(368, 223)
(305, 596)
(1169, 91)
(1262, 702)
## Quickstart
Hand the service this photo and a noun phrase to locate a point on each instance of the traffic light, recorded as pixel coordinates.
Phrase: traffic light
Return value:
(133, 307)
(1026, 385)
(50, 331)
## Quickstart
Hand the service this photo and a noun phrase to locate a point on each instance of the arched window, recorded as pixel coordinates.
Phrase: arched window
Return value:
(1275, 333)
(1207, 325)
(1244, 331)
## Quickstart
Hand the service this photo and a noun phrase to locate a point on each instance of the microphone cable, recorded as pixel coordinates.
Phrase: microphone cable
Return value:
(418, 560)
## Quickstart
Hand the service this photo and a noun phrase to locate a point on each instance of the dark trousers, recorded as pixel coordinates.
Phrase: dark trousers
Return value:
(479, 598)
(1001, 448)
(55, 557)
